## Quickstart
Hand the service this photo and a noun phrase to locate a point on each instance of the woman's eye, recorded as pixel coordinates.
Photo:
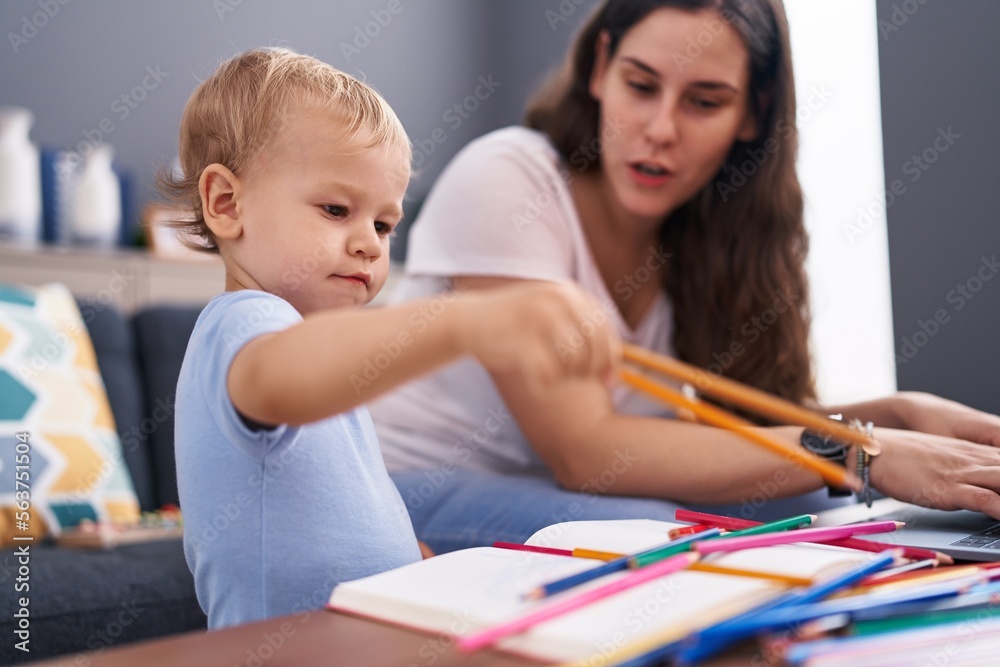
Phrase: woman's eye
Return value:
(335, 210)
(384, 229)
(643, 88)
(703, 103)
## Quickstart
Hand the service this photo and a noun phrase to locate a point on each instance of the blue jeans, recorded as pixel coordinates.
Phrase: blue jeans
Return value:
(472, 509)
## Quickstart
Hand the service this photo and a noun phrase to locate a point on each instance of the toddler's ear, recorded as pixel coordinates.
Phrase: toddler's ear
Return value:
(219, 189)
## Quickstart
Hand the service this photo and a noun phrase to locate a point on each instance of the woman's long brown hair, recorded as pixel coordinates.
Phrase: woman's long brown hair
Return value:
(737, 279)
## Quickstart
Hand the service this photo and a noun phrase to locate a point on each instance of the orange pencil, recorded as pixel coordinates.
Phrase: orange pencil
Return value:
(830, 472)
(753, 399)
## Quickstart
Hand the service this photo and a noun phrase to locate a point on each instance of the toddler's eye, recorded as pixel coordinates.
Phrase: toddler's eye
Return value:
(335, 210)
(384, 229)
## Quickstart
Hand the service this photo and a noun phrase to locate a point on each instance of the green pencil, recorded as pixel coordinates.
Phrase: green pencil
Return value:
(791, 523)
(877, 626)
(649, 557)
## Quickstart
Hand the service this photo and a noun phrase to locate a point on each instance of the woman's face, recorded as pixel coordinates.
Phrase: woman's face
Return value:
(673, 100)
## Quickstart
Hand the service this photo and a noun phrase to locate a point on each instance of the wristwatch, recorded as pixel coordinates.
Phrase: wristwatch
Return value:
(831, 450)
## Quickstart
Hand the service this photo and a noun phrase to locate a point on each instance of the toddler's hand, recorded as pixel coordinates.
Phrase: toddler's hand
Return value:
(540, 331)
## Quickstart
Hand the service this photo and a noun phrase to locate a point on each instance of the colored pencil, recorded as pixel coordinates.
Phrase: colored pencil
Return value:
(912, 569)
(914, 553)
(915, 646)
(731, 391)
(716, 520)
(788, 616)
(667, 642)
(633, 579)
(880, 625)
(712, 640)
(514, 546)
(672, 548)
(970, 593)
(597, 555)
(790, 536)
(625, 562)
(733, 523)
(791, 523)
(831, 472)
(686, 530)
(702, 566)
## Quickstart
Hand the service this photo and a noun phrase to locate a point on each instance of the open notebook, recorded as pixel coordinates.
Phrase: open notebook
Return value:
(463, 591)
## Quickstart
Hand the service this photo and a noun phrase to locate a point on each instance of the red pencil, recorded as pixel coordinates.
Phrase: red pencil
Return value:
(914, 553)
(733, 523)
(686, 530)
(528, 547)
(714, 520)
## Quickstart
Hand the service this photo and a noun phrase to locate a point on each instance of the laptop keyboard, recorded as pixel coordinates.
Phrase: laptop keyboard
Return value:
(984, 539)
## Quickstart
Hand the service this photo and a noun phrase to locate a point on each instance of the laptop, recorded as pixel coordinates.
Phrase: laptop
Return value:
(961, 534)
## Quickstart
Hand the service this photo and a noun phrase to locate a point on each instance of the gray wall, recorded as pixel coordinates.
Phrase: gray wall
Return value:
(427, 57)
(939, 71)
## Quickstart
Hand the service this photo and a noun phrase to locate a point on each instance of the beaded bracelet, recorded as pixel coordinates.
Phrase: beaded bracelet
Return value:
(864, 462)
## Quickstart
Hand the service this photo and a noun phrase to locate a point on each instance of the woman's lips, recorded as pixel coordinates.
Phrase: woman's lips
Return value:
(648, 178)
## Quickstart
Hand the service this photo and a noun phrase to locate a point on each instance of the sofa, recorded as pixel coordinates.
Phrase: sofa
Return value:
(85, 600)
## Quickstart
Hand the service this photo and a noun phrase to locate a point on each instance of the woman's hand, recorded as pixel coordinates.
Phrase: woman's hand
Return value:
(937, 471)
(928, 413)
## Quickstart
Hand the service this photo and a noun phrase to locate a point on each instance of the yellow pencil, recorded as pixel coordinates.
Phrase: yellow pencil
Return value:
(830, 472)
(753, 399)
(756, 574)
(596, 555)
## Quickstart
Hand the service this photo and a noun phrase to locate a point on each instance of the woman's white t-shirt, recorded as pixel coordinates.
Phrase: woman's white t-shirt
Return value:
(501, 208)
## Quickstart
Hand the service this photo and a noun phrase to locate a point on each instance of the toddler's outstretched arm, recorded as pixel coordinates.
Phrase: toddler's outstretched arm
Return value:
(336, 360)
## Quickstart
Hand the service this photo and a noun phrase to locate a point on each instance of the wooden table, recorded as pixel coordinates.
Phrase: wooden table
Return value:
(317, 638)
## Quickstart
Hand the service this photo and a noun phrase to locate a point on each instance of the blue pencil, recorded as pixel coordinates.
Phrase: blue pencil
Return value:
(874, 605)
(615, 565)
(716, 638)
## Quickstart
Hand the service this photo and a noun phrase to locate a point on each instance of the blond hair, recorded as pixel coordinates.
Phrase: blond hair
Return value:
(236, 112)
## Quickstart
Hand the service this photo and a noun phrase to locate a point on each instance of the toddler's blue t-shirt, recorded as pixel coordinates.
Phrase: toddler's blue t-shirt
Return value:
(275, 518)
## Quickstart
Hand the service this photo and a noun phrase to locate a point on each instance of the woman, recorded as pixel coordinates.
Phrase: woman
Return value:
(619, 184)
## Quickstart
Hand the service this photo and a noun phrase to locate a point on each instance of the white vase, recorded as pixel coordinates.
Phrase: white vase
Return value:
(20, 179)
(96, 216)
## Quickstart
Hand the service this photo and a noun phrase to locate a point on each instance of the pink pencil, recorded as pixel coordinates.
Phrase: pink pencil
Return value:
(640, 576)
(800, 535)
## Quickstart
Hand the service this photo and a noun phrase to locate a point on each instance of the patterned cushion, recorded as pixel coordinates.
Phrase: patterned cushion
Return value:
(51, 390)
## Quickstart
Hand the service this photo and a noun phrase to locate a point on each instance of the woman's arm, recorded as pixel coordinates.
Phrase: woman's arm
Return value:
(573, 427)
(336, 360)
